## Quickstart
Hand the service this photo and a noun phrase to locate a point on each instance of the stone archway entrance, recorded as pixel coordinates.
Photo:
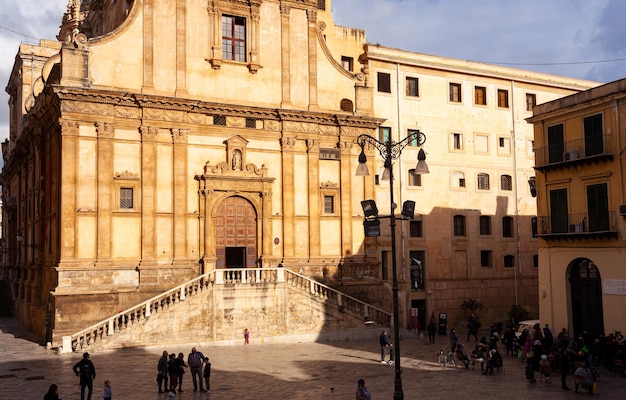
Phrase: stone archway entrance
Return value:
(586, 298)
(236, 233)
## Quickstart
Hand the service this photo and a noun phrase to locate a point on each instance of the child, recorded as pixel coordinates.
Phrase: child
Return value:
(106, 395)
(207, 374)
(246, 336)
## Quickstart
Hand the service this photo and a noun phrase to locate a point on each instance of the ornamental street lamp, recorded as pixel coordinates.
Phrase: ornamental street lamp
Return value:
(391, 150)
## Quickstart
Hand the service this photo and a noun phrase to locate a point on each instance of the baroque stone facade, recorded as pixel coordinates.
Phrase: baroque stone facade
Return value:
(163, 139)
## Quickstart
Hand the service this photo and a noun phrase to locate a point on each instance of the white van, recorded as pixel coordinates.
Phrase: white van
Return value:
(525, 325)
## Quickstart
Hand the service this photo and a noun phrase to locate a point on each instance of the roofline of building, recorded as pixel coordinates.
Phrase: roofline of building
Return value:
(403, 57)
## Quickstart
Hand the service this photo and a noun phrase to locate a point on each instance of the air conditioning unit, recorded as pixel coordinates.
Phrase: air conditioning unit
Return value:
(570, 155)
(622, 210)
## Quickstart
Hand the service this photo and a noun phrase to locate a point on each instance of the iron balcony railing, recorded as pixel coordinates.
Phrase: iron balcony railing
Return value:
(573, 150)
(585, 223)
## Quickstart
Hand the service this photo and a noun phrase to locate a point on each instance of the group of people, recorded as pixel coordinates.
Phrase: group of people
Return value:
(171, 369)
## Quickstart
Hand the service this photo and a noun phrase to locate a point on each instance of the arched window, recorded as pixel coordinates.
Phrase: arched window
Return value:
(346, 105)
(506, 182)
(414, 179)
(457, 179)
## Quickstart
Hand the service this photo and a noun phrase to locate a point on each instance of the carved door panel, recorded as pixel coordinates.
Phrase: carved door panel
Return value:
(236, 233)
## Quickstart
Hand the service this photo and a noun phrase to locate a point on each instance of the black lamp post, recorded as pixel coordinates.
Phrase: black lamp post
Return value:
(391, 150)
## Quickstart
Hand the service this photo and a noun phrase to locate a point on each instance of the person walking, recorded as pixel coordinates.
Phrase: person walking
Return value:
(195, 360)
(432, 329)
(180, 364)
(207, 374)
(384, 345)
(246, 336)
(107, 392)
(566, 365)
(172, 370)
(87, 373)
(361, 391)
(453, 340)
(162, 373)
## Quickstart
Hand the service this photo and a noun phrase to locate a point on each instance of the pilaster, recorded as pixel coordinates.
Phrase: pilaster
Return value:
(288, 145)
(148, 190)
(104, 132)
(181, 45)
(313, 148)
(179, 163)
(69, 147)
(285, 12)
(346, 173)
(312, 20)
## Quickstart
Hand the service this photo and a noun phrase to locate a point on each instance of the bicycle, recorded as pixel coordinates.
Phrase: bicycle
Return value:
(446, 358)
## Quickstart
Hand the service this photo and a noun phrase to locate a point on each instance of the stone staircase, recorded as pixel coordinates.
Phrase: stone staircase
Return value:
(279, 306)
(6, 299)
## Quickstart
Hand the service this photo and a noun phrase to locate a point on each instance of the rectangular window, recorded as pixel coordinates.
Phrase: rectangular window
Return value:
(412, 87)
(535, 261)
(503, 98)
(384, 134)
(481, 144)
(593, 135)
(509, 261)
(347, 63)
(485, 258)
(459, 225)
(480, 95)
(233, 38)
(533, 226)
(126, 198)
(384, 82)
(321, 4)
(485, 225)
(556, 145)
(558, 211)
(329, 204)
(506, 182)
(414, 179)
(457, 141)
(531, 101)
(483, 181)
(507, 227)
(415, 228)
(504, 144)
(219, 120)
(251, 123)
(455, 92)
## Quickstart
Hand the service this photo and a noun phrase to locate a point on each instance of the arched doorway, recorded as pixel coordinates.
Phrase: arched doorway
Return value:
(236, 233)
(586, 298)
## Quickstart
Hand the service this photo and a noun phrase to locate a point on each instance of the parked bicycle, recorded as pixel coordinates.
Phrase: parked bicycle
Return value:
(446, 358)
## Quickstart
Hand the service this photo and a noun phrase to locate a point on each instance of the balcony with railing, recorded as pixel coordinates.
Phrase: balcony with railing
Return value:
(574, 152)
(578, 226)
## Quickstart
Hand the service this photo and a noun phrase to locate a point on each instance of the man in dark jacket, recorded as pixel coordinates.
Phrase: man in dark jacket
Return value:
(195, 360)
(162, 373)
(384, 345)
(87, 373)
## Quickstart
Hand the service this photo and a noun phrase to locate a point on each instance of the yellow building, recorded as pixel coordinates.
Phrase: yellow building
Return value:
(580, 178)
(158, 141)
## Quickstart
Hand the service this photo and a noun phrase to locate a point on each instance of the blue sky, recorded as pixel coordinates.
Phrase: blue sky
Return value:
(574, 38)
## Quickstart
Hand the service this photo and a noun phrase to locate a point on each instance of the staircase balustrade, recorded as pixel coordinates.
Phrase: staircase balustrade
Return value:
(126, 319)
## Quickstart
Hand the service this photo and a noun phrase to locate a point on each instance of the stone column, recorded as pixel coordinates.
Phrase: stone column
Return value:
(104, 132)
(313, 147)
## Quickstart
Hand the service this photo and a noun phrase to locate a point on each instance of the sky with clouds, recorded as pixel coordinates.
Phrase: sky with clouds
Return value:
(574, 38)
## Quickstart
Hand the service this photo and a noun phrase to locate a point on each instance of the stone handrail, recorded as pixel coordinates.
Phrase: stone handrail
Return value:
(126, 318)
(369, 313)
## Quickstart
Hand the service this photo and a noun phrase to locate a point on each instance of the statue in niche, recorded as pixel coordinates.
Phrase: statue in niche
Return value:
(236, 164)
